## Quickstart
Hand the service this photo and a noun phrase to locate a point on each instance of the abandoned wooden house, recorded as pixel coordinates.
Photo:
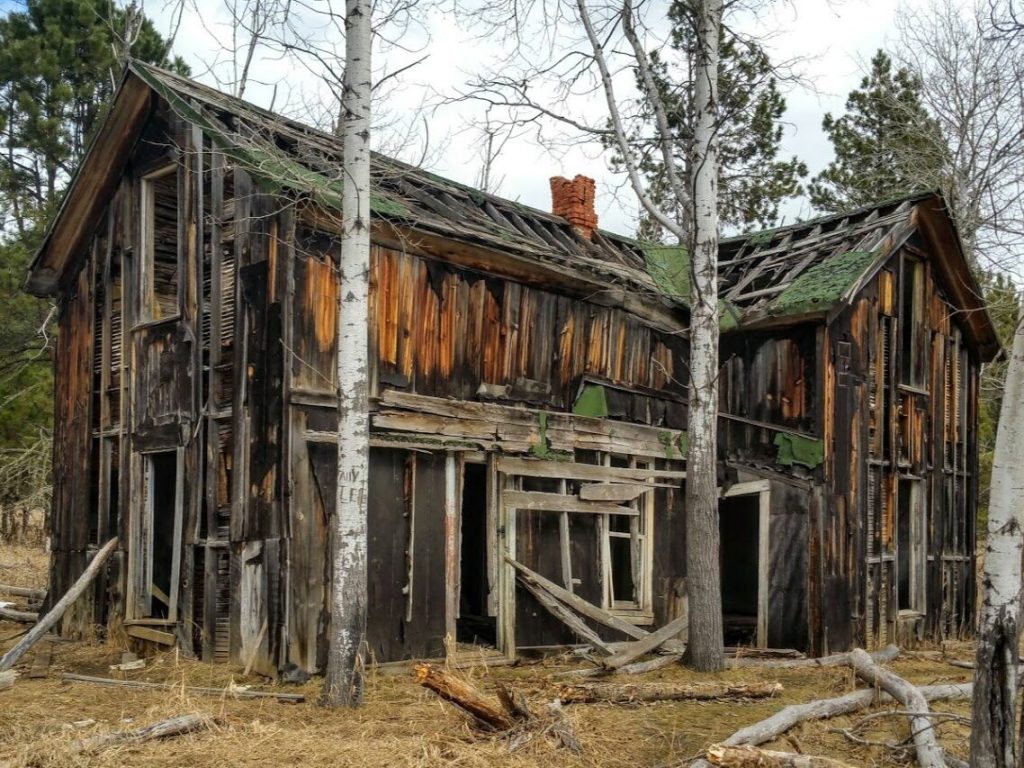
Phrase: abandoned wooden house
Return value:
(528, 404)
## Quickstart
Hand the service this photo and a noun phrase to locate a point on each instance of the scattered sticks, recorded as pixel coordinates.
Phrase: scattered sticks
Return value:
(613, 693)
(887, 654)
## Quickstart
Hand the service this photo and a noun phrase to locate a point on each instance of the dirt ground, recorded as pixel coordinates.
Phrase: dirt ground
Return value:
(403, 724)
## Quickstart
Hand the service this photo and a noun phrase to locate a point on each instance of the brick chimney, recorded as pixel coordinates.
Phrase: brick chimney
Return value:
(574, 201)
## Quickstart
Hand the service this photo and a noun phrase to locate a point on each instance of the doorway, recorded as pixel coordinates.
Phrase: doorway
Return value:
(159, 544)
(474, 625)
(743, 550)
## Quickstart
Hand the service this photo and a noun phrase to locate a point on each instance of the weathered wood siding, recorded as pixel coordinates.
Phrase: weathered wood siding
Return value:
(891, 427)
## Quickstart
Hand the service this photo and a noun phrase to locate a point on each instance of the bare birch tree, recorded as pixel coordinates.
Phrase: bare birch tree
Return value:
(343, 677)
(995, 677)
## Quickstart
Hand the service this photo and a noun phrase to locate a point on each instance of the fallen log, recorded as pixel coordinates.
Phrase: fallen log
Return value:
(54, 614)
(634, 693)
(754, 757)
(173, 726)
(636, 668)
(37, 594)
(788, 717)
(7, 679)
(635, 650)
(240, 693)
(929, 753)
(591, 611)
(887, 654)
(24, 617)
(488, 713)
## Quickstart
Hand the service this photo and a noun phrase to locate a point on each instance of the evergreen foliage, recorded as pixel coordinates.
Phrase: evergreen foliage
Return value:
(885, 144)
(754, 180)
(60, 61)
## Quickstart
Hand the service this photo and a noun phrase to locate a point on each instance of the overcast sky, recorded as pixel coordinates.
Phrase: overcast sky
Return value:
(833, 40)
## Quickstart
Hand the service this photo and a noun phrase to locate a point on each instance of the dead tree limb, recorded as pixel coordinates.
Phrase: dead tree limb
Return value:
(613, 693)
(24, 617)
(562, 729)
(454, 690)
(929, 753)
(887, 654)
(786, 718)
(36, 594)
(239, 693)
(754, 757)
(53, 616)
(173, 726)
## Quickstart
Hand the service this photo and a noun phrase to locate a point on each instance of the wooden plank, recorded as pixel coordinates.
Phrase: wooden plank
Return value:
(148, 633)
(618, 492)
(647, 644)
(41, 662)
(556, 502)
(588, 609)
(564, 615)
(575, 471)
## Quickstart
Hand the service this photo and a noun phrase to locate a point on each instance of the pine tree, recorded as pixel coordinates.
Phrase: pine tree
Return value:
(754, 179)
(59, 62)
(885, 145)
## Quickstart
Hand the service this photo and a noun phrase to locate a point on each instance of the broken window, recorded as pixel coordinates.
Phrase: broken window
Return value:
(910, 551)
(627, 553)
(159, 266)
(912, 346)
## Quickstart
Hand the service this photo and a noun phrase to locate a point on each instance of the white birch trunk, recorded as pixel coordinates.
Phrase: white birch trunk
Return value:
(705, 651)
(995, 674)
(343, 678)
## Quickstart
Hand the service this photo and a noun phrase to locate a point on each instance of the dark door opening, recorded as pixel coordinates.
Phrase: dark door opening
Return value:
(739, 528)
(162, 490)
(474, 625)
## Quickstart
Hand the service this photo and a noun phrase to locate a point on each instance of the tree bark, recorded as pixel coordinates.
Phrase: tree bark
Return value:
(705, 651)
(752, 757)
(929, 753)
(54, 614)
(343, 676)
(485, 711)
(995, 671)
(173, 726)
(631, 693)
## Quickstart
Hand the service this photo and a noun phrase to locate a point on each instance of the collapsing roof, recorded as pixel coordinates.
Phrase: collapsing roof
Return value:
(801, 272)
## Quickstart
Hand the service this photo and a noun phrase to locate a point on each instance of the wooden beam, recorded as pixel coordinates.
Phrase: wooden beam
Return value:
(647, 644)
(556, 502)
(172, 726)
(617, 492)
(150, 634)
(569, 470)
(55, 613)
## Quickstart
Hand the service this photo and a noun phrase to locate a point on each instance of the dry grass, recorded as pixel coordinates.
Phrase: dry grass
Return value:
(401, 724)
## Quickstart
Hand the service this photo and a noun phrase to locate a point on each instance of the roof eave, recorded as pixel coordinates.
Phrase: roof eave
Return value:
(103, 164)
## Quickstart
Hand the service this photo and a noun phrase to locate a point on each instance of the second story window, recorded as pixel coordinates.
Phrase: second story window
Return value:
(160, 266)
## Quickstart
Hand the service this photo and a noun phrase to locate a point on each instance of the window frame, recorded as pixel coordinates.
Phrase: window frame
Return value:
(641, 609)
(149, 308)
